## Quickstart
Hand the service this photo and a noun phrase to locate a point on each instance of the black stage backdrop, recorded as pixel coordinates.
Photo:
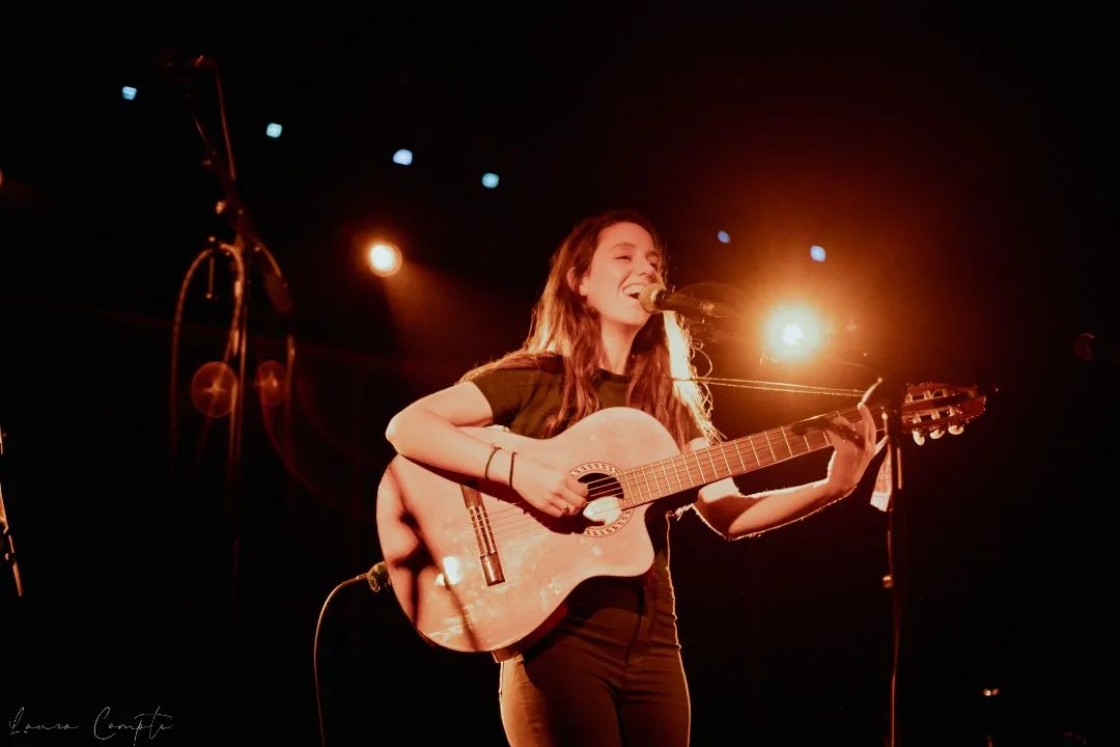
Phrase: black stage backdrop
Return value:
(959, 163)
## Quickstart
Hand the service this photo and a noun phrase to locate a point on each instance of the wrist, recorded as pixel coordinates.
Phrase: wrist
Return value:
(494, 449)
(512, 462)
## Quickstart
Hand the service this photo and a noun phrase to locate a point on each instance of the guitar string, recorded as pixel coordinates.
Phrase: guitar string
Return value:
(684, 465)
(772, 436)
(514, 512)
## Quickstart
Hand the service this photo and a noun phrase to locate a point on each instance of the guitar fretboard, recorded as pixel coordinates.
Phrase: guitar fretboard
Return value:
(928, 408)
(693, 469)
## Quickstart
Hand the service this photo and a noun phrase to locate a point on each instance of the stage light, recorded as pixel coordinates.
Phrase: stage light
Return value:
(273, 130)
(128, 93)
(490, 180)
(724, 237)
(817, 253)
(403, 156)
(384, 259)
(793, 333)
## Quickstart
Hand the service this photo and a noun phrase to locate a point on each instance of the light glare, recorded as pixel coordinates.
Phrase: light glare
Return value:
(128, 93)
(793, 334)
(453, 571)
(384, 259)
(490, 180)
(403, 156)
(724, 237)
(273, 130)
(817, 253)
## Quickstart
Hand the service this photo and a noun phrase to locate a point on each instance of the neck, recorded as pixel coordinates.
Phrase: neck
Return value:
(616, 343)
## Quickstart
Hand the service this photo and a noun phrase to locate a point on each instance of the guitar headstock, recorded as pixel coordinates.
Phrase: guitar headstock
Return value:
(932, 409)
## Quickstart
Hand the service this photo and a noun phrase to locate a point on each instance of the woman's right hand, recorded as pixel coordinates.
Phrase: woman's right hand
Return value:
(548, 489)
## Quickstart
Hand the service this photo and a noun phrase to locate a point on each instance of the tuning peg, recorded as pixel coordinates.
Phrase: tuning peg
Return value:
(919, 439)
(936, 433)
(956, 429)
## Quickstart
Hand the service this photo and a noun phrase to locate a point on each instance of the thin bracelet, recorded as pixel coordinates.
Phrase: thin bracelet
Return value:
(512, 454)
(493, 450)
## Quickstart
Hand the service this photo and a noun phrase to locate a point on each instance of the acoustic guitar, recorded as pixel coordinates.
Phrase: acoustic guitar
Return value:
(476, 568)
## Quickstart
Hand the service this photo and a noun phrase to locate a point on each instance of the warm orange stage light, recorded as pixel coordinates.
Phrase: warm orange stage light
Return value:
(384, 258)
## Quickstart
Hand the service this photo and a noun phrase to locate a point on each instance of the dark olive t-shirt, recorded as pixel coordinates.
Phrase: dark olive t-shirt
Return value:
(523, 399)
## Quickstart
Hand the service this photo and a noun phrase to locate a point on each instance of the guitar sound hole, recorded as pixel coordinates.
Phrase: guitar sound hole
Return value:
(601, 485)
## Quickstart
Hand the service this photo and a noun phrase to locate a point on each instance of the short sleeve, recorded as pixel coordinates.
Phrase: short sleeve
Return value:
(508, 390)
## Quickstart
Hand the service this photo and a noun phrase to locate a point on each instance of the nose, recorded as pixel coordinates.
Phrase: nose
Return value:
(648, 270)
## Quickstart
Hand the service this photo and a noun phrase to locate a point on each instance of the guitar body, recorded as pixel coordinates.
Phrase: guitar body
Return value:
(476, 568)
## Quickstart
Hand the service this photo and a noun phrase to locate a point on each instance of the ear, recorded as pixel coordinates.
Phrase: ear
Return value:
(575, 283)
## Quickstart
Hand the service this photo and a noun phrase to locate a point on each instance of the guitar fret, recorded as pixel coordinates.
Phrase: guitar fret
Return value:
(629, 488)
(739, 454)
(677, 473)
(664, 471)
(784, 438)
(715, 470)
(727, 464)
(700, 469)
(664, 486)
(757, 461)
(771, 447)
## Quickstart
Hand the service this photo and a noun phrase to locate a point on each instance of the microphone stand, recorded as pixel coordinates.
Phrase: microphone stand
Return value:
(895, 581)
(890, 396)
(245, 253)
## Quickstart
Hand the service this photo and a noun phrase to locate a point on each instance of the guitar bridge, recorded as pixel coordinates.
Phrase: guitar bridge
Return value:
(484, 537)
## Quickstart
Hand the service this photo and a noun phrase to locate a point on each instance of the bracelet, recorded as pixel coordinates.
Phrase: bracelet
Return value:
(509, 482)
(493, 450)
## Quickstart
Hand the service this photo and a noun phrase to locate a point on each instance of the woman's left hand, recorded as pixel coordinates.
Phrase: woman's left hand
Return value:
(855, 447)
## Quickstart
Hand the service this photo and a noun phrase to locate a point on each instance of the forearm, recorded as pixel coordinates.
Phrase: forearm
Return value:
(427, 437)
(734, 515)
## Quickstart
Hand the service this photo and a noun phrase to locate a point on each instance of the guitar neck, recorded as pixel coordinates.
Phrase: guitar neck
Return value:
(693, 469)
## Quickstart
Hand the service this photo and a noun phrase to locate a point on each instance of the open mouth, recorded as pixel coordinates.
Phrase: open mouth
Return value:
(633, 290)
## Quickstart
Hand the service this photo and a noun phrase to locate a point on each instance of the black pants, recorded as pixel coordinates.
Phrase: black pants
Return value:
(610, 674)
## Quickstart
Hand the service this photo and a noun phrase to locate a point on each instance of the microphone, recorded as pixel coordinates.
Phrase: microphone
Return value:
(655, 298)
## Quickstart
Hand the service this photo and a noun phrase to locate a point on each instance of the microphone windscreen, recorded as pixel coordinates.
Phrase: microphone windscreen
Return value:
(649, 295)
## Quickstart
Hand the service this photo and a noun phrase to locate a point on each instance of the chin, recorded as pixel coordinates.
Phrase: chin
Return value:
(635, 322)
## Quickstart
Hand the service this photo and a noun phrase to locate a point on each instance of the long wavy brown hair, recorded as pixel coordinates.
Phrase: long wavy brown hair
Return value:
(662, 376)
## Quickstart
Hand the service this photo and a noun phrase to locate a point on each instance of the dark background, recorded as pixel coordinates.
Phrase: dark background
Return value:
(960, 165)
